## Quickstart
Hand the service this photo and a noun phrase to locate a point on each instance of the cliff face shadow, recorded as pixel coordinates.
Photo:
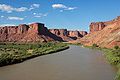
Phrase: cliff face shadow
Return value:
(56, 37)
(74, 38)
(44, 31)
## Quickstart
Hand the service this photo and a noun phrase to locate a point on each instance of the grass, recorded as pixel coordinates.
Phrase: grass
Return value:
(118, 73)
(11, 53)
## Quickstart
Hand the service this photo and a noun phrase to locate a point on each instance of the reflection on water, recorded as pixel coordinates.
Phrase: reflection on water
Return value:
(75, 63)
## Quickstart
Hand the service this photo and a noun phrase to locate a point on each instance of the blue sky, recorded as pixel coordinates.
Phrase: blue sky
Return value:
(70, 14)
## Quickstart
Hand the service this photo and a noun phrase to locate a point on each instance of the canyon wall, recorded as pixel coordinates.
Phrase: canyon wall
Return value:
(104, 34)
(37, 32)
(97, 26)
(22, 28)
(67, 35)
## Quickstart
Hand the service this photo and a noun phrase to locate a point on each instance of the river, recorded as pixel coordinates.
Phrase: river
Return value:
(75, 63)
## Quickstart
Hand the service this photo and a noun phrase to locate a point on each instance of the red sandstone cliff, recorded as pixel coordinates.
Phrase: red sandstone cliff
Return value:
(97, 26)
(105, 34)
(35, 32)
(68, 35)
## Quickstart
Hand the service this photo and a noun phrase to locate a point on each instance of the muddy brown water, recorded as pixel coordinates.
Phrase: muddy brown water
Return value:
(75, 63)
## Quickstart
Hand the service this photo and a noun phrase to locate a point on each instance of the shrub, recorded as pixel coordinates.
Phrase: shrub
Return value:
(94, 45)
(113, 57)
(6, 59)
(116, 47)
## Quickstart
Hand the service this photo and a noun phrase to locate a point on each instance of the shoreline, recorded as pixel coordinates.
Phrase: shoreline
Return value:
(36, 54)
(105, 53)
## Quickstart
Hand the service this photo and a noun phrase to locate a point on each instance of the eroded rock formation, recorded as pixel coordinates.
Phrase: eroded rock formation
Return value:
(97, 26)
(68, 35)
(104, 34)
(35, 32)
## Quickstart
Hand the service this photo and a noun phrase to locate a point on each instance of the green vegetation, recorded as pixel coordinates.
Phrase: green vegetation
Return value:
(78, 44)
(116, 47)
(118, 73)
(11, 53)
(113, 56)
(94, 45)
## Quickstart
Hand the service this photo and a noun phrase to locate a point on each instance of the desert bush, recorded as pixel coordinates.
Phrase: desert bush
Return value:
(95, 45)
(116, 47)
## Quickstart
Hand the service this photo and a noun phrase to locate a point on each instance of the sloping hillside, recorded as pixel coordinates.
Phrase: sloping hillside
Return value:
(104, 34)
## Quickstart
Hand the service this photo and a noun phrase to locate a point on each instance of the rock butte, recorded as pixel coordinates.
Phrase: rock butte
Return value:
(104, 34)
(37, 32)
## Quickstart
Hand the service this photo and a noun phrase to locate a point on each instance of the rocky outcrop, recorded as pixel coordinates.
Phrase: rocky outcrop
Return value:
(35, 32)
(83, 33)
(104, 34)
(77, 33)
(22, 28)
(68, 35)
(74, 34)
(59, 32)
(97, 26)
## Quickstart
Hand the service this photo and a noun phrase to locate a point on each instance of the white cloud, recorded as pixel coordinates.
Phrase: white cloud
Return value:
(36, 5)
(34, 13)
(9, 9)
(58, 6)
(2, 16)
(38, 15)
(15, 18)
(63, 7)
(21, 9)
(71, 8)
(33, 6)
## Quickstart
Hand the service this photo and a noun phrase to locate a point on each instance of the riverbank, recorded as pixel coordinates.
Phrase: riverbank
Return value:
(112, 55)
(11, 53)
